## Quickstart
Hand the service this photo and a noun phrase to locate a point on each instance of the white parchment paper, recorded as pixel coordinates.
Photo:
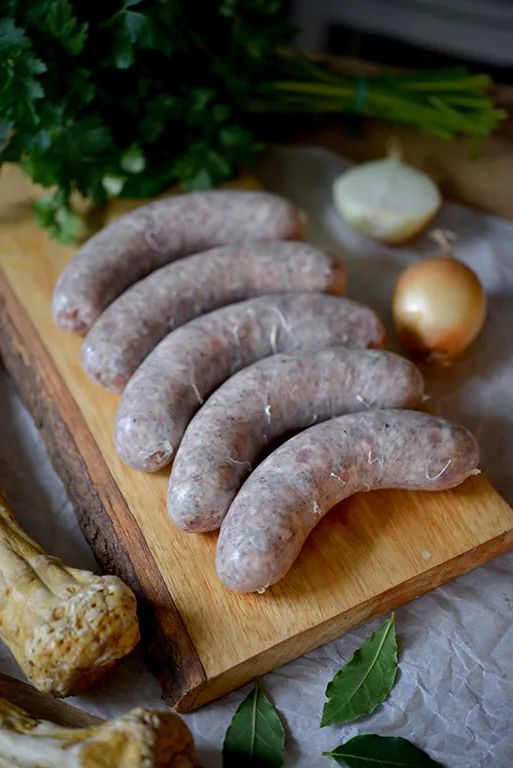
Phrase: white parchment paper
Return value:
(454, 695)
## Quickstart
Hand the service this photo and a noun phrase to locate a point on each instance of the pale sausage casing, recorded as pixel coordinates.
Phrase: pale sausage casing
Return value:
(188, 364)
(153, 235)
(267, 400)
(293, 488)
(136, 321)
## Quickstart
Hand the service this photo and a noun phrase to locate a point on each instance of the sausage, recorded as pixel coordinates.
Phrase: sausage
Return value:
(131, 326)
(296, 485)
(188, 364)
(155, 234)
(265, 401)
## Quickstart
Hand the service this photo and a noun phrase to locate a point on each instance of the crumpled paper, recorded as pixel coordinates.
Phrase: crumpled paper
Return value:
(454, 693)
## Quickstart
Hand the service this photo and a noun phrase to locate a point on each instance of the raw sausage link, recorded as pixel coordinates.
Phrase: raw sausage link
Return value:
(186, 367)
(270, 398)
(131, 326)
(291, 490)
(155, 234)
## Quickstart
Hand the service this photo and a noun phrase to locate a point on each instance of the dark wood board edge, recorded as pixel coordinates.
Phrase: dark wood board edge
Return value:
(40, 705)
(170, 651)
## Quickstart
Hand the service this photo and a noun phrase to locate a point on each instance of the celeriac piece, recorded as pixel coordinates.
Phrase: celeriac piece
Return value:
(140, 739)
(65, 626)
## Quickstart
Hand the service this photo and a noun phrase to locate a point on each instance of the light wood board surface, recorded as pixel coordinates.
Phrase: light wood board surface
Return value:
(374, 552)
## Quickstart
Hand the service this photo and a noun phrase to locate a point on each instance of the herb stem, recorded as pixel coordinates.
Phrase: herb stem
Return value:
(444, 105)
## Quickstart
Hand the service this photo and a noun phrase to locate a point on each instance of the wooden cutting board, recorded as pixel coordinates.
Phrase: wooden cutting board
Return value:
(372, 553)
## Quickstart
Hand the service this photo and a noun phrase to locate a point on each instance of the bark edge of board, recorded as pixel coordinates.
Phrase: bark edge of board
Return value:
(171, 654)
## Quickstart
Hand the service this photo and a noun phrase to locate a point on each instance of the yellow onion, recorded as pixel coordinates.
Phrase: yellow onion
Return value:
(439, 306)
(386, 199)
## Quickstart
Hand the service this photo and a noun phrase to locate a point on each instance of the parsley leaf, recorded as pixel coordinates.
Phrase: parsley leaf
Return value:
(54, 213)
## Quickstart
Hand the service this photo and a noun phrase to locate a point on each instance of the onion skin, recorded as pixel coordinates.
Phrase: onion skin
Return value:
(439, 308)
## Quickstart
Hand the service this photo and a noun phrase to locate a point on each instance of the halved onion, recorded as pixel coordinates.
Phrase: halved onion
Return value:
(386, 199)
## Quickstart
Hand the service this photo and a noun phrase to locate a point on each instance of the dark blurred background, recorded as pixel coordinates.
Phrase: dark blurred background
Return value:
(412, 33)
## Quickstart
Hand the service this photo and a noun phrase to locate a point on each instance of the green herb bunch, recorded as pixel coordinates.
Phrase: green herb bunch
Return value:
(126, 97)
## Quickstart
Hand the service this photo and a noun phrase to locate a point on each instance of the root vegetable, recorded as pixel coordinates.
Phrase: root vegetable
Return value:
(386, 199)
(439, 305)
(140, 739)
(65, 626)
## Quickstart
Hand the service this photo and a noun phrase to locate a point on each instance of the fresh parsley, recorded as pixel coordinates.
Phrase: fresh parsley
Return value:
(127, 97)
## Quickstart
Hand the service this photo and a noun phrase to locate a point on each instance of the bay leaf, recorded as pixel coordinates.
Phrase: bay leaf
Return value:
(255, 737)
(366, 680)
(371, 751)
